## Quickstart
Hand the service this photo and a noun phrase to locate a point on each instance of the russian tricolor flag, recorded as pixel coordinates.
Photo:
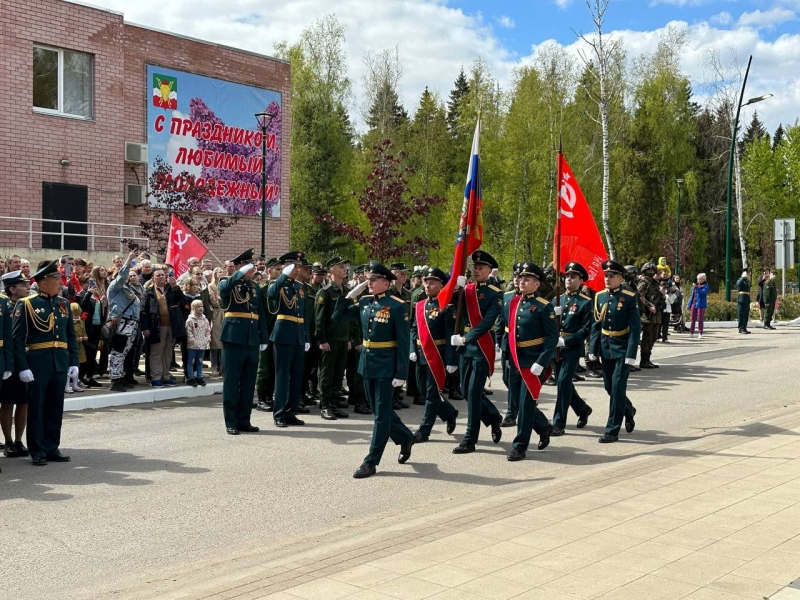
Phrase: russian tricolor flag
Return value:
(470, 228)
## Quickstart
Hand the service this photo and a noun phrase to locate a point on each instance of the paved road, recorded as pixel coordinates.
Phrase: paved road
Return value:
(157, 490)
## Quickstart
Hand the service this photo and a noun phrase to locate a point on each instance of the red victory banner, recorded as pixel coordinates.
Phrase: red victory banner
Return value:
(577, 237)
(183, 245)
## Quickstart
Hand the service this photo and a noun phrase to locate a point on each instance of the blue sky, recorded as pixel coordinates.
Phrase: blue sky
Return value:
(435, 38)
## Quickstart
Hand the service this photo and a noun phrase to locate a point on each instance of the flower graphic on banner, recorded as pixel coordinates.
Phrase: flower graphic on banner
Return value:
(199, 111)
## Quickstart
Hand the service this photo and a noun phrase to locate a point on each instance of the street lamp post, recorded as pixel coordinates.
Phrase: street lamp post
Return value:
(678, 229)
(264, 119)
(734, 130)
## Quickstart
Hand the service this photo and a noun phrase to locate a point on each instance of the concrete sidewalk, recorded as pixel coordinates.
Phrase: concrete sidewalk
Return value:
(716, 517)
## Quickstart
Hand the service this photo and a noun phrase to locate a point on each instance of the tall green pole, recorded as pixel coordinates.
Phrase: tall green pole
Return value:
(728, 227)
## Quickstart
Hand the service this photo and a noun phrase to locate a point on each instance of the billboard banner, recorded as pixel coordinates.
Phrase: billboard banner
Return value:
(202, 131)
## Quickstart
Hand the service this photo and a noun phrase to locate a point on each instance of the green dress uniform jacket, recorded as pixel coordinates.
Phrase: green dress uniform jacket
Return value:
(288, 303)
(385, 330)
(265, 378)
(244, 319)
(490, 300)
(45, 344)
(6, 339)
(617, 326)
(441, 324)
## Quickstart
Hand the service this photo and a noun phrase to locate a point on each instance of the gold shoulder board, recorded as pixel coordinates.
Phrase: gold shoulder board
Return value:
(628, 293)
(494, 287)
(542, 300)
(584, 296)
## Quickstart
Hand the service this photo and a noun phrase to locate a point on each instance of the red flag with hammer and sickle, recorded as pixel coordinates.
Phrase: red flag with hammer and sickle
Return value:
(183, 244)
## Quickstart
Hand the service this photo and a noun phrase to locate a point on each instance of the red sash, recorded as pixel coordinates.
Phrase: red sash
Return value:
(485, 342)
(428, 346)
(533, 383)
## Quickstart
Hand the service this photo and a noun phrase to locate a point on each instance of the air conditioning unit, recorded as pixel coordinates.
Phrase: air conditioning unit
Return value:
(135, 153)
(134, 194)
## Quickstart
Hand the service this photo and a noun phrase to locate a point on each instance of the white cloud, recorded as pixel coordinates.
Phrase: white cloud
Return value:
(435, 40)
(505, 21)
(766, 19)
(563, 4)
(681, 2)
(724, 18)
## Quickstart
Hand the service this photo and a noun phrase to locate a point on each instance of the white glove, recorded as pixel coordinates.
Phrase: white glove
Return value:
(497, 349)
(561, 343)
(457, 340)
(557, 310)
(245, 268)
(537, 369)
(262, 347)
(630, 361)
(26, 376)
(461, 281)
(356, 291)
(287, 270)
(412, 357)
(72, 372)
(744, 273)
(451, 368)
(592, 357)
(398, 382)
(6, 374)
(308, 346)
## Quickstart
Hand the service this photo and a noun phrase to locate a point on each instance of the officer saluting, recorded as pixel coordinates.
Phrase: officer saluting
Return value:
(291, 338)
(743, 302)
(383, 363)
(615, 339)
(484, 303)
(244, 333)
(575, 310)
(532, 340)
(431, 329)
(45, 354)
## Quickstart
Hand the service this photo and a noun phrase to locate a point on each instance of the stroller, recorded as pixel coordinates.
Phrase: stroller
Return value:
(676, 320)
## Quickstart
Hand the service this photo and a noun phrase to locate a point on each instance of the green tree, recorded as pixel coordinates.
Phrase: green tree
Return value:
(321, 135)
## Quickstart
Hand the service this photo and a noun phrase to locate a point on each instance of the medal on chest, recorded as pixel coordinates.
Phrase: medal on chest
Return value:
(382, 316)
(301, 292)
(62, 308)
(573, 308)
(433, 313)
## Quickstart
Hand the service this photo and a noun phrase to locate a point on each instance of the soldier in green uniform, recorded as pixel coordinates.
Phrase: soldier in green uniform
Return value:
(311, 359)
(512, 406)
(433, 354)
(483, 305)
(743, 302)
(575, 310)
(384, 361)
(333, 339)
(652, 304)
(45, 354)
(770, 297)
(265, 378)
(631, 283)
(355, 383)
(244, 335)
(615, 339)
(417, 294)
(417, 287)
(291, 338)
(532, 339)
(398, 290)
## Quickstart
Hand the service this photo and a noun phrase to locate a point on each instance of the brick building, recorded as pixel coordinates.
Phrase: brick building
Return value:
(67, 161)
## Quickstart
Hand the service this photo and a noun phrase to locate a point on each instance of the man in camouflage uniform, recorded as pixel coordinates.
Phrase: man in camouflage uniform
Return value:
(651, 305)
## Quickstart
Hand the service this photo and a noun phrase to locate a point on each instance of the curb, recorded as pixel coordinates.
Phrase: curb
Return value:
(145, 396)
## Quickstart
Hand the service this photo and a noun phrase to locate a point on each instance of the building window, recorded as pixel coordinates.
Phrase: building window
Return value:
(62, 82)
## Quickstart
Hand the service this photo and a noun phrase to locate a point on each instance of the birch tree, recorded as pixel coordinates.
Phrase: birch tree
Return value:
(601, 57)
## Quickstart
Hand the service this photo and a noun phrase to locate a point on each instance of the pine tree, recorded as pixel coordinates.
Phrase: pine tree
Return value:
(386, 112)
(778, 138)
(754, 131)
(459, 92)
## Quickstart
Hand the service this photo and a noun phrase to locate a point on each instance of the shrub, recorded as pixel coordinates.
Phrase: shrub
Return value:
(789, 307)
(720, 310)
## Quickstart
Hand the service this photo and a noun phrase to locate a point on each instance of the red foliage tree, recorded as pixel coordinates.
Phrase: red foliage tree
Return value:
(666, 243)
(179, 194)
(388, 207)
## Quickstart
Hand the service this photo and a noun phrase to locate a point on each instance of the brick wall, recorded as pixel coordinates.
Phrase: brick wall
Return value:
(31, 144)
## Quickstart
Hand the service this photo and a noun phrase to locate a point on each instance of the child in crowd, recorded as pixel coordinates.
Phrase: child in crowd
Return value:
(75, 384)
(198, 338)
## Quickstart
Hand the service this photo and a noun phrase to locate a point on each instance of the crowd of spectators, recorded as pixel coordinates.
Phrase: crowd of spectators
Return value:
(134, 309)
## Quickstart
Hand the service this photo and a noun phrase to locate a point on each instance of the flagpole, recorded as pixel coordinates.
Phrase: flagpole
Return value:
(557, 268)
